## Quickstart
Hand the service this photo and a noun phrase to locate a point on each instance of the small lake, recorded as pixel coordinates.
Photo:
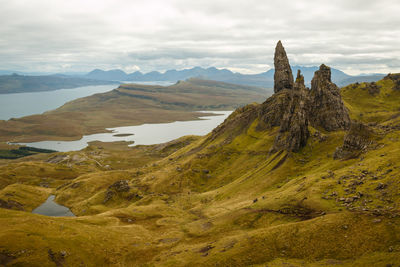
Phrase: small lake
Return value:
(24, 104)
(145, 134)
(51, 208)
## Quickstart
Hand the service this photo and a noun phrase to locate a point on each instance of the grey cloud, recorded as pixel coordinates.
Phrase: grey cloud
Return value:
(162, 34)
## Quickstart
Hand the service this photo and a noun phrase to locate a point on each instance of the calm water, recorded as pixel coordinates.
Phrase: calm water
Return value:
(145, 134)
(51, 208)
(24, 104)
(163, 83)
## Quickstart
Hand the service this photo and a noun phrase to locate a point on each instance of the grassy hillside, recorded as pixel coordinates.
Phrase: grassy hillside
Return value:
(129, 104)
(218, 200)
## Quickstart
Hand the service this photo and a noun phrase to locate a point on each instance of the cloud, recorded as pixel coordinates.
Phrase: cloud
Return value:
(75, 35)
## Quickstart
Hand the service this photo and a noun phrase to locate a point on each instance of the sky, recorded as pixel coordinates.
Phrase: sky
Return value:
(356, 36)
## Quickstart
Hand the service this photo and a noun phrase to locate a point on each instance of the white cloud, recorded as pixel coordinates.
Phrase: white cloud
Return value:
(80, 35)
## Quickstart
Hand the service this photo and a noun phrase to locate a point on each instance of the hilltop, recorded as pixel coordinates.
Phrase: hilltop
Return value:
(309, 177)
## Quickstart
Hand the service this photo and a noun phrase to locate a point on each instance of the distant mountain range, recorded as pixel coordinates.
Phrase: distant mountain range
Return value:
(20, 83)
(264, 79)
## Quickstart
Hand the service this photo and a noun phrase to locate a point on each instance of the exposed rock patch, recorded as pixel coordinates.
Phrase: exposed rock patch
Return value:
(116, 188)
(11, 205)
(373, 88)
(395, 78)
(355, 142)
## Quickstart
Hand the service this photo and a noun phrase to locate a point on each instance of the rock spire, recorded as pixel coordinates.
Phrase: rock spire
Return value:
(283, 77)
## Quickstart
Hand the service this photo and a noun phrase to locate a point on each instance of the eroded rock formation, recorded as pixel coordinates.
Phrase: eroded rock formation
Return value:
(293, 131)
(283, 77)
(292, 108)
(326, 106)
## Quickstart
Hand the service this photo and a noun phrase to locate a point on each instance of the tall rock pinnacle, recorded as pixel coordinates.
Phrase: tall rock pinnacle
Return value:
(283, 77)
(327, 109)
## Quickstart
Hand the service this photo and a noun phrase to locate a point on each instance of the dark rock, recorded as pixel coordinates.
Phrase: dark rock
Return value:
(6, 257)
(373, 88)
(283, 77)
(205, 171)
(255, 200)
(11, 205)
(381, 186)
(355, 142)
(116, 188)
(326, 106)
(293, 133)
(396, 80)
(57, 257)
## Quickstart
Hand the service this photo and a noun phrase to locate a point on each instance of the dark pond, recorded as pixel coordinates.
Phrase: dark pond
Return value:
(51, 208)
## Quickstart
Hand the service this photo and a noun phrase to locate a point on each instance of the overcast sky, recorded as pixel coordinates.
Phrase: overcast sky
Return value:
(356, 36)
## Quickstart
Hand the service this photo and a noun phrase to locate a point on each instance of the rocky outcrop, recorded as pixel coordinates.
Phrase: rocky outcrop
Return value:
(355, 142)
(115, 189)
(293, 132)
(395, 78)
(327, 109)
(292, 108)
(373, 88)
(283, 77)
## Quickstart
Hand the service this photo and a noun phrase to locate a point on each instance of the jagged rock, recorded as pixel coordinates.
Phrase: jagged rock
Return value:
(355, 142)
(292, 108)
(283, 77)
(326, 106)
(272, 110)
(293, 133)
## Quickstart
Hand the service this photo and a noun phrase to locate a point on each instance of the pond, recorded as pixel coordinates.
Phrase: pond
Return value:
(51, 208)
